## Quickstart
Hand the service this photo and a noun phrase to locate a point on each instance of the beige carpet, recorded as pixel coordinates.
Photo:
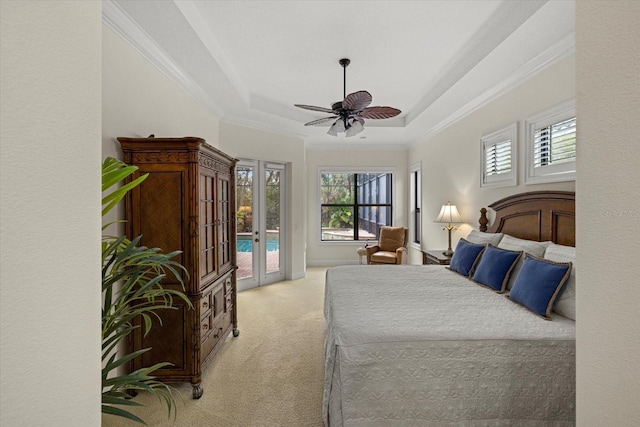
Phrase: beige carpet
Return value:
(270, 375)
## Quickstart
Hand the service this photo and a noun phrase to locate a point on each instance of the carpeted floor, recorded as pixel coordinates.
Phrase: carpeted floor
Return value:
(270, 375)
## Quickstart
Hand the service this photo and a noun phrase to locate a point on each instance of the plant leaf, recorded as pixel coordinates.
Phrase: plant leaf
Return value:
(132, 278)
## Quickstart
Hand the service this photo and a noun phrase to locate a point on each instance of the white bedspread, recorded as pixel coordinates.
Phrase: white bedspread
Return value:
(421, 345)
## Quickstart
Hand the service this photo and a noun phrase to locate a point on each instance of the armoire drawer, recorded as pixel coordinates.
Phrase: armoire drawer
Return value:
(228, 284)
(215, 334)
(205, 305)
(228, 303)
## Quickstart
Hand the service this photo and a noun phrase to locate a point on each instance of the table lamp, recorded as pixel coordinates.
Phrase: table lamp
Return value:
(448, 215)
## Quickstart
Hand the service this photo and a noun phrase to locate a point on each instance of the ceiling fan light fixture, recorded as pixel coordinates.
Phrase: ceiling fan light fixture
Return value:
(334, 129)
(351, 111)
(355, 128)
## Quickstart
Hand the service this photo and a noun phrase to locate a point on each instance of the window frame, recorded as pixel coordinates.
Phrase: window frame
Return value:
(415, 204)
(493, 139)
(355, 205)
(560, 172)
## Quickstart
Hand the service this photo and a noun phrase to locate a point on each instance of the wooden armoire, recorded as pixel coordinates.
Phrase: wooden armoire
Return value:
(187, 203)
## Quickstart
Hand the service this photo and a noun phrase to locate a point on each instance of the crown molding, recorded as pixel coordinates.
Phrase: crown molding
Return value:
(115, 18)
(500, 27)
(261, 126)
(363, 146)
(549, 57)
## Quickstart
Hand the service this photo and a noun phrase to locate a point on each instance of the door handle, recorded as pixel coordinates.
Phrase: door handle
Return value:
(257, 240)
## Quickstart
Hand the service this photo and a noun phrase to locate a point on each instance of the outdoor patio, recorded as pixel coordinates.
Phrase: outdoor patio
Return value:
(244, 263)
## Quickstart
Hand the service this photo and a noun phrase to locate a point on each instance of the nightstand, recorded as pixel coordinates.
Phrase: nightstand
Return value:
(435, 257)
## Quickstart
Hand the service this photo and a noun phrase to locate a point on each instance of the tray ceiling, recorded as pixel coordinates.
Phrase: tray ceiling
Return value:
(249, 62)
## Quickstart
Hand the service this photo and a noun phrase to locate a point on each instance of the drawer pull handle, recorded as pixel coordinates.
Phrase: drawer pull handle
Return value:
(217, 334)
(205, 326)
(205, 304)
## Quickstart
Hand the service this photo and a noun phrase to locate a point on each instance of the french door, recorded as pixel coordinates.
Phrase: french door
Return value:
(260, 192)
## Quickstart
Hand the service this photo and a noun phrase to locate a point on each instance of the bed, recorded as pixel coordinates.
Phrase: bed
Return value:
(423, 345)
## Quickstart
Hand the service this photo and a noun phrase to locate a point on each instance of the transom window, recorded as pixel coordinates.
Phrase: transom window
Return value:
(555, 144)
(551, 145)
(499, 157)
(354, 205)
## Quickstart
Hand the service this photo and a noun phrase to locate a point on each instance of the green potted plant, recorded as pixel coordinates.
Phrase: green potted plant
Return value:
(131, 288)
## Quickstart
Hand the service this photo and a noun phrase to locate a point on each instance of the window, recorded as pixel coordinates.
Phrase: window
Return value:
(415, 221)
(499, 158)
(353, 206)
(551, 145)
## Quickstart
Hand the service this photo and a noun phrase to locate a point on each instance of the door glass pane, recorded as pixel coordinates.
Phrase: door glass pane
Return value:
(273, 243)
(244, 220)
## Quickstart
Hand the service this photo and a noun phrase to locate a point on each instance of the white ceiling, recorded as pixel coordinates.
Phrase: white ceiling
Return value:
(250, 61)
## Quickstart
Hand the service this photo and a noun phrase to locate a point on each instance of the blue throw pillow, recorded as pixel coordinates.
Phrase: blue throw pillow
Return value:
(495, 267)
(465, 256)
(539, 284)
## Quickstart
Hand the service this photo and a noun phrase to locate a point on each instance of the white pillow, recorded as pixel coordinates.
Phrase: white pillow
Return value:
(480, 238)
(527, 246)
(566, 305)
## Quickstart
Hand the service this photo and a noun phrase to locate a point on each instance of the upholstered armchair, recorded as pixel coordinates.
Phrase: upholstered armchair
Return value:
(391, 247)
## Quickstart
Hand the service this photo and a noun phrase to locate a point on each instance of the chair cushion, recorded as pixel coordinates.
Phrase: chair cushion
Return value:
(391, 238)
(384, 257)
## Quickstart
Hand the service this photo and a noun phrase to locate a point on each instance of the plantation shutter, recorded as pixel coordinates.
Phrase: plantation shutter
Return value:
(555, 144)
(551, 142)
(498, 158)
(498, 154)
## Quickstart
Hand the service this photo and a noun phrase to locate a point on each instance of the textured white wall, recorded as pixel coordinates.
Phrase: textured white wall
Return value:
(50, 113)
(242, 142)
(451, 159)
(608, 213)
(139, 100)
(336, 253)
(50, 213)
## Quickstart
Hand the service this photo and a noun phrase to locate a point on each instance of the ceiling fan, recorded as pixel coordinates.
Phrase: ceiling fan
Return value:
(348, 116)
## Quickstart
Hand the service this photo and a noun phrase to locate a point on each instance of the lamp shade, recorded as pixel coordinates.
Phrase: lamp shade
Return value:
(448, 214)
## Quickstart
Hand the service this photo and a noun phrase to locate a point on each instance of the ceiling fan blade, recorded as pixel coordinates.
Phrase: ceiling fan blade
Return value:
(313, 108)
(321, 121)
(356, 101)
(379, 112)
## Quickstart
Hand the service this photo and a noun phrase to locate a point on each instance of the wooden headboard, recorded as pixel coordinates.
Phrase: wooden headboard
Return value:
(537, 215)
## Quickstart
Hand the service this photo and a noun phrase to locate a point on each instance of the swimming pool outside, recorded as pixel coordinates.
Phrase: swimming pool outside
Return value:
(244, 243)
